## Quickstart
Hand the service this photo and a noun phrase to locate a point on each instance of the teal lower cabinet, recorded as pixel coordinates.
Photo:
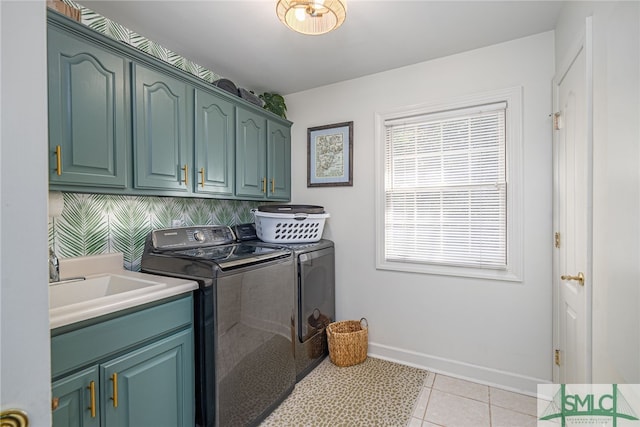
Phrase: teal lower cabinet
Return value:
(147, 387)
(75, 401)
(113, 373)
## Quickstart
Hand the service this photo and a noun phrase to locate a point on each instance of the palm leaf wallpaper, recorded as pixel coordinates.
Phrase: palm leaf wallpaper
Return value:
(129, 227)
(116, 31)
(199, 213)
(96, 223)
(81, 229)
(165, 211)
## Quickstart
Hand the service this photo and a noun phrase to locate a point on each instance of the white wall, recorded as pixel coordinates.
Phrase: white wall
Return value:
(24, 298)
(616, 179)
(494, 332)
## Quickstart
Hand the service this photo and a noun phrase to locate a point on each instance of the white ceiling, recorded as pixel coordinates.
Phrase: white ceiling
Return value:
(244, 41)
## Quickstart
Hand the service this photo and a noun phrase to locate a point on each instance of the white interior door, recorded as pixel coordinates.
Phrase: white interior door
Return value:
(572, 218)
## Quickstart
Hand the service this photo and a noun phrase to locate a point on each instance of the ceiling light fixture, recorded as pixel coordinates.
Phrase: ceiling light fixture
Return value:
(312, 17)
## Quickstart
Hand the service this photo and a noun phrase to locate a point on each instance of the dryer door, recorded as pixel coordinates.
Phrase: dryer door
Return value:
(316, 292)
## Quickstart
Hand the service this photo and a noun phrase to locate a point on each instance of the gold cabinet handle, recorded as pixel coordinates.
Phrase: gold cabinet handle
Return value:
(114, 379)
(273, 185)
(579, 278)
(55, 402)
(202, 177)
(58, 160)
(186, 174)
(92, 398)
(264, 185)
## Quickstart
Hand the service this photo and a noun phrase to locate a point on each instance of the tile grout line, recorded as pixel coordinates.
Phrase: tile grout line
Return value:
(490, 412)
(490, 404)
(424, 417)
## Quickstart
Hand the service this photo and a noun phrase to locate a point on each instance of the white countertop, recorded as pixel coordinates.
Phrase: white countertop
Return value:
(106, 288)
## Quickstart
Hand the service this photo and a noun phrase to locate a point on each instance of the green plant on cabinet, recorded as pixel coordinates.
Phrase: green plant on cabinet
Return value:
(275, 103)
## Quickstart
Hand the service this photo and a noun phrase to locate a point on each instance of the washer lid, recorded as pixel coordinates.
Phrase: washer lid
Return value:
(237, 255)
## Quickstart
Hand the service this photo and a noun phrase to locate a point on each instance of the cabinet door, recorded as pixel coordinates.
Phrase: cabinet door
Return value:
(87, 114)
(279, 161)
(251, 141)
(214, 145)
(161, 144)
(152, 386)
(76, 400)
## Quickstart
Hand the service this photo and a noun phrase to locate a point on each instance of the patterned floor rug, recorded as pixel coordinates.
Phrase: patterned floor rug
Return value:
(373, 393)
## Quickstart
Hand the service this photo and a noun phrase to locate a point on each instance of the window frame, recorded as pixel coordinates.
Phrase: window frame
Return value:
(514, 179)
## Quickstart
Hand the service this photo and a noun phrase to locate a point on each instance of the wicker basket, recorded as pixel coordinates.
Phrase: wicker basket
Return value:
(348, 342)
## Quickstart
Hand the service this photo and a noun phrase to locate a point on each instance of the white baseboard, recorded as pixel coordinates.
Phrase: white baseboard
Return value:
(454, 368)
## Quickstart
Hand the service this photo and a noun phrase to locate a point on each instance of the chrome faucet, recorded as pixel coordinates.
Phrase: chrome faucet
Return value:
(54, 267)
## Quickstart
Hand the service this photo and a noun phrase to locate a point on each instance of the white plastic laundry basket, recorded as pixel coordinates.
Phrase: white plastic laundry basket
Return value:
(299, 227)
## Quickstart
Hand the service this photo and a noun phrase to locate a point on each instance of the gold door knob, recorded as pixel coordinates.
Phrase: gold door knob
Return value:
(579, 278)
(14, 418)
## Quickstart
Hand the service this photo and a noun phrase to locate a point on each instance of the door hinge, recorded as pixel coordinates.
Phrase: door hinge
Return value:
(556, 357)
(556, 239)
(557, 121)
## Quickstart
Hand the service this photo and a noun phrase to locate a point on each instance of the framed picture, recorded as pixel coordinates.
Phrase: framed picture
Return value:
(330, 155)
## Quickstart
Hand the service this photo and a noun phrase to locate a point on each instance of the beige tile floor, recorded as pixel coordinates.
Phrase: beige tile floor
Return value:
(451, 402)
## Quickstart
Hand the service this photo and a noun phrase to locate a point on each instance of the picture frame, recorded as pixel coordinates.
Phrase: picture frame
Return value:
(330, 155)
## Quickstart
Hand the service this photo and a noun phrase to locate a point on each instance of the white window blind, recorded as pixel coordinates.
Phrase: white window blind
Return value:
(445, 188)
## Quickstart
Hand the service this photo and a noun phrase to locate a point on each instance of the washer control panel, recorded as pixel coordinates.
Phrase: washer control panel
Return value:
(191, 237)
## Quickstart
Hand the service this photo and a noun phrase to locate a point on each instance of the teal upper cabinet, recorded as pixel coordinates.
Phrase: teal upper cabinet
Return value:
(161, 133)
(123, 122)
(87, 113)
(263, 158)
(279, 160)
(214, 145)
(251, 165)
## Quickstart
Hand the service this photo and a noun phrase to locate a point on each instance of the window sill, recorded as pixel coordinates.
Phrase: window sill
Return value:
(507, 275)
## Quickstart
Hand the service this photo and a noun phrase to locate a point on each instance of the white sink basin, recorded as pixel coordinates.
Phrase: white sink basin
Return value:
(110, 285)
(108, 288)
